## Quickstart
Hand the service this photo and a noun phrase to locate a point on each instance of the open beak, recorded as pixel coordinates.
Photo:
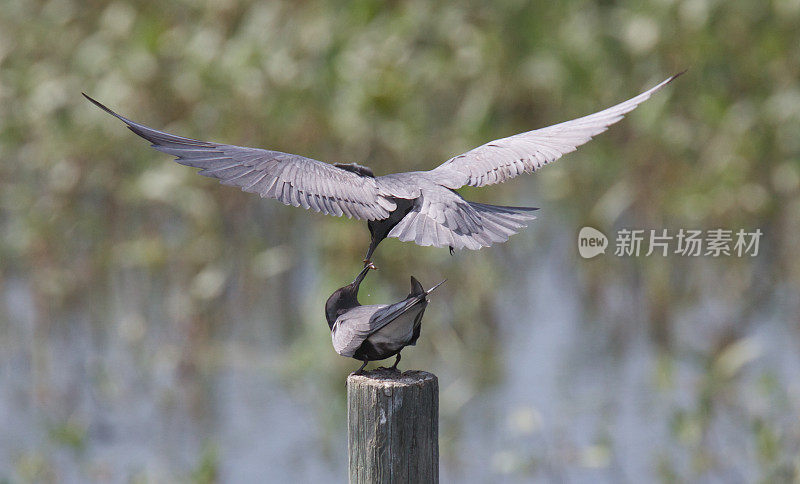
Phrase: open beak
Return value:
(434, 287)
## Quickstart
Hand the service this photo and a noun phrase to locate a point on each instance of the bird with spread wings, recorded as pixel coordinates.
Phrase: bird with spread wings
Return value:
(421, 206)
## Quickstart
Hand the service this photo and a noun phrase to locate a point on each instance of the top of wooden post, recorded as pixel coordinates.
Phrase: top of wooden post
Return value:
(389, 378)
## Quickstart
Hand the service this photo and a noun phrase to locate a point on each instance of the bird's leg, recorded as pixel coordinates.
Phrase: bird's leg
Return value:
(358, 372)
(396, 361)
(451, 250)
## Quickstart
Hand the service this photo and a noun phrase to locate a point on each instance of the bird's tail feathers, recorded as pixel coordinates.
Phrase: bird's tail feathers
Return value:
(434, 287)
(520, 213)
(500, 222)
(461, 224)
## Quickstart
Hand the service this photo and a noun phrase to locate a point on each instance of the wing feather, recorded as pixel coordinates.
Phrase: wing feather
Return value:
(352, 328)
(502, 159)
(291, 179)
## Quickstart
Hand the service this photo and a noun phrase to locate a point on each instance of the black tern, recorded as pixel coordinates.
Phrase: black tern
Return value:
(421, 206)
(377, 331)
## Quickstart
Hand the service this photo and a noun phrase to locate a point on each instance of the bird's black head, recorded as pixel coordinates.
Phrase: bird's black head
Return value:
(345, 298)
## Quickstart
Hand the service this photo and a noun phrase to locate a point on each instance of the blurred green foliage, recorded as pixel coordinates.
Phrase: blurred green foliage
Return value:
(93, 219)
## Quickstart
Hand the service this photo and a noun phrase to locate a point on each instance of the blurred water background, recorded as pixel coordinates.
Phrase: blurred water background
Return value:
(156, 326)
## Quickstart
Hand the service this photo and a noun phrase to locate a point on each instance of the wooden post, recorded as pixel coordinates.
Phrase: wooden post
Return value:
(393, 427)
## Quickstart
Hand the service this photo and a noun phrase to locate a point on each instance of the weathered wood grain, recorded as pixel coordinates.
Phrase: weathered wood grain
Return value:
(393, 427)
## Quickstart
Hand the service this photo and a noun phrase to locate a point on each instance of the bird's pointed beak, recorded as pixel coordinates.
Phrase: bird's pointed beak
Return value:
(434, 287)
(361, 275)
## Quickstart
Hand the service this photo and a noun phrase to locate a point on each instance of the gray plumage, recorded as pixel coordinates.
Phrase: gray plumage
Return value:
(420, 207)
(376, 331)
(387, 328)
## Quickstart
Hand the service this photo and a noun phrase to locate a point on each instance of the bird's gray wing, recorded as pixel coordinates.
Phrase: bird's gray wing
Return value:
(440, 217)
(291, 179)
(356, 325)
(503, 159)
(351, 328)
(386, 315)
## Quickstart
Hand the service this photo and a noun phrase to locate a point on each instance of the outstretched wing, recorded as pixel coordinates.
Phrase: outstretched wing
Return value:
(291, 179)
(502, 159)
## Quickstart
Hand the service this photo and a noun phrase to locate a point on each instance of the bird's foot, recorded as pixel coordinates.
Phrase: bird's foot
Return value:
(369, 263)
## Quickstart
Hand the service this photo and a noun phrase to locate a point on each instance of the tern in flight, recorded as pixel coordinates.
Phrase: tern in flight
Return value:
(419, 206)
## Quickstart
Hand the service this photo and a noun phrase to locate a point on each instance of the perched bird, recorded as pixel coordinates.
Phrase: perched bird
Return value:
(421, 206)
(376, 331)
